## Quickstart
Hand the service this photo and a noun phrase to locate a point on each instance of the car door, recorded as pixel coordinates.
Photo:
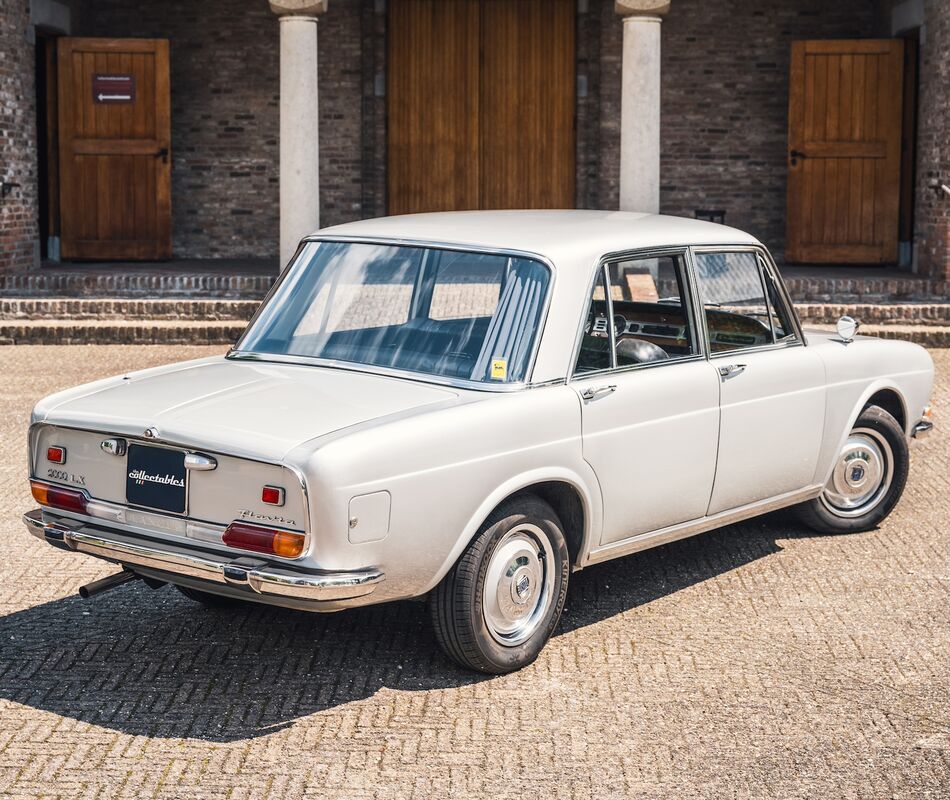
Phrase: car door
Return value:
(772, 386)
(650, 404)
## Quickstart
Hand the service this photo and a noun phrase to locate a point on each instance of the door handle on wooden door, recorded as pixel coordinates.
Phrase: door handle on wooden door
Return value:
(731, 370)
(599, 391)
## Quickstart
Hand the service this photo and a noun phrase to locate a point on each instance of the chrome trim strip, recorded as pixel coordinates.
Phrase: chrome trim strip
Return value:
(260, 577)
(644, 541)
(108, 509)
(236, 353)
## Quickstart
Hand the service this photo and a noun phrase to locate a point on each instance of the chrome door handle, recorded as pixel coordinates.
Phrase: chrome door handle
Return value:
(594, 393)
(731, 370)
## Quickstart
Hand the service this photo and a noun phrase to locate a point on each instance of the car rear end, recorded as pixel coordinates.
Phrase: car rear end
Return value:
(207, 520)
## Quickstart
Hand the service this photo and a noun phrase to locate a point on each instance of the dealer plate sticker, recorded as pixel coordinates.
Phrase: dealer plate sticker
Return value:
(156, 478)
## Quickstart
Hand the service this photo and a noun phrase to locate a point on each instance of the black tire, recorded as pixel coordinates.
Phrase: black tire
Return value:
(208, 599)
(457, 605)
(822, 515)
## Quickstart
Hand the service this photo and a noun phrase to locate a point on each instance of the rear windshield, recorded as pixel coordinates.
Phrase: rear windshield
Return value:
(448, 313)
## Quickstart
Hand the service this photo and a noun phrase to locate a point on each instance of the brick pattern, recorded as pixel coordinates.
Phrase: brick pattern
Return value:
(759, 661)
(225, 116)
(18, 210)
(933, 142)
(724, 95)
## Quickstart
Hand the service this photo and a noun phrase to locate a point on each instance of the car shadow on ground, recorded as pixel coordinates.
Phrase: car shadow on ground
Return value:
(152, 663)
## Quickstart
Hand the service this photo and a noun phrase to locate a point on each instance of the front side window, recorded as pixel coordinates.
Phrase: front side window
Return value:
(460, 315)
(742, 304)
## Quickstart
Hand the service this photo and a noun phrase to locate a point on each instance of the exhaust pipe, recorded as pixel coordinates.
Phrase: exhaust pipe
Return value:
(107, 583)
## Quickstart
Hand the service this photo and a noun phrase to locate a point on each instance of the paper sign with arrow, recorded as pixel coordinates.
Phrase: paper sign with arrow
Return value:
(113, 89)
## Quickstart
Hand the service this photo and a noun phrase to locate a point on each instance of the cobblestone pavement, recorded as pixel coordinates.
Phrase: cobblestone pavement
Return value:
(756, 661)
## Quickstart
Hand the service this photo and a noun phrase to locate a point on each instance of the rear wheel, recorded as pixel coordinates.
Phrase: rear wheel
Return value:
(867, 479)
(208, 599)
(499, 604)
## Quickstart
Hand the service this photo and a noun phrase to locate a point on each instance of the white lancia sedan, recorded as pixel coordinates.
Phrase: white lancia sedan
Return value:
(469, 406)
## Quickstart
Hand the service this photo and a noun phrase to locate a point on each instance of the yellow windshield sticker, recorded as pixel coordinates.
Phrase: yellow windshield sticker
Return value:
(499, 369)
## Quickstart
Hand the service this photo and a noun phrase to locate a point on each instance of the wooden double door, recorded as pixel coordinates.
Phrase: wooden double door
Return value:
(114, 148)
(481, 98)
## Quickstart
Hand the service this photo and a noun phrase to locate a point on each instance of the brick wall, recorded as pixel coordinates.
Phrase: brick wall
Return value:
(724, 116)
(933, 142)
(225, 58)
(18, 222)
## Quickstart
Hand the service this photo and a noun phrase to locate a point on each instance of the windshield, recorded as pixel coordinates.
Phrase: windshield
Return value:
(452, 314)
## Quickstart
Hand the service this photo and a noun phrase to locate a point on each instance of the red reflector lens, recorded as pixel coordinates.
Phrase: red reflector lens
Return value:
(56, 454)
(264, 540)
(272, 495)
(58, 497)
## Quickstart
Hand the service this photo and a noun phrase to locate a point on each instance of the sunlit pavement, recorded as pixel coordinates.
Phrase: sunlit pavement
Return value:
(756, 661)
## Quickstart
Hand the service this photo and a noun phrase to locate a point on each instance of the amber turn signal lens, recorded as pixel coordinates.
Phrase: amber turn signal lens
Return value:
(286, 544)
(58, 497)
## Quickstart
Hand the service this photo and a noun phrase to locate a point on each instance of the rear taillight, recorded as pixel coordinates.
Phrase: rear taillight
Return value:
(287, 544)
(59, 497)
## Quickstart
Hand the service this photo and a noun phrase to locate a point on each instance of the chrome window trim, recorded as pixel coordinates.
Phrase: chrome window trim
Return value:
(460, 247)
(632, 255)
(767, 262)
(33, 433)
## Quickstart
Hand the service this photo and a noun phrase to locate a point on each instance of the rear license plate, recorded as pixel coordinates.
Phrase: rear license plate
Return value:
(156, 478)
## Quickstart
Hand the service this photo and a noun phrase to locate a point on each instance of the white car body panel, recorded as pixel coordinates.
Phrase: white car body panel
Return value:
(393, 475)
(628, 440)
(773, 415)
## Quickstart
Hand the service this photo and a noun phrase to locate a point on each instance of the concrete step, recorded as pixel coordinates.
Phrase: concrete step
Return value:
(124, 281)
(68, 331)
(225, 332)
(862, 287)
(50, 309)
(118, 308)
(876, 313)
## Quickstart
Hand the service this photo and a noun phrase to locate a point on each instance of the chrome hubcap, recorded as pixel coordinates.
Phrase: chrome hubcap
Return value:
(861, 476)
(518, 585)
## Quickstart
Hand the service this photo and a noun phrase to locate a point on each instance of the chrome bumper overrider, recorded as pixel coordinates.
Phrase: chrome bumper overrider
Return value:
(922, 429)
(250, 574)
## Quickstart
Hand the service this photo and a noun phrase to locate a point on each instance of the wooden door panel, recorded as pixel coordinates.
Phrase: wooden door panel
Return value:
(844, 151)
(115, 161)
(527, 104)
(481, 104)
(433, 105)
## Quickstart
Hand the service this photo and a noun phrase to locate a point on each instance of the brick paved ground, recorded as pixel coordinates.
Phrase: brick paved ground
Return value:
(758, 661)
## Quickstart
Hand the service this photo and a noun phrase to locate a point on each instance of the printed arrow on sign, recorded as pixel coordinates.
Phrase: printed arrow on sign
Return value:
(114, 97)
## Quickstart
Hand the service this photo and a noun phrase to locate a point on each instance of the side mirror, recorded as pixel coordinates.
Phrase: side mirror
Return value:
(847, 327)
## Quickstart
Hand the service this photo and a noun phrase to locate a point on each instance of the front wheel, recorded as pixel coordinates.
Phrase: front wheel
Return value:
(867, 479)
(500, 603)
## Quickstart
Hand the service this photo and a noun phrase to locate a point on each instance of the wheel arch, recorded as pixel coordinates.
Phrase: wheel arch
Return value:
(577, 505)
(884, 393)
(892, 401)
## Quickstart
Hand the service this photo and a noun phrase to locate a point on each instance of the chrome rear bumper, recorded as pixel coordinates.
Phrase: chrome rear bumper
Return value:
(251, 576)
(922, 429)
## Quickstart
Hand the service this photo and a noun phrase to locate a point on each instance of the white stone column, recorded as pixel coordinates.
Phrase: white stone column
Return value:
(299, 122)
(640, 104)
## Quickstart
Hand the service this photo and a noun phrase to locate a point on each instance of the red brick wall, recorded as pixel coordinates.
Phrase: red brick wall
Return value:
(18, 223)
(225, 116)
(932, 229)
(724, 118)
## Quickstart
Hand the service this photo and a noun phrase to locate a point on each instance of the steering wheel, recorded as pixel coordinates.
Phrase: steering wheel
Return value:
(639, 351)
